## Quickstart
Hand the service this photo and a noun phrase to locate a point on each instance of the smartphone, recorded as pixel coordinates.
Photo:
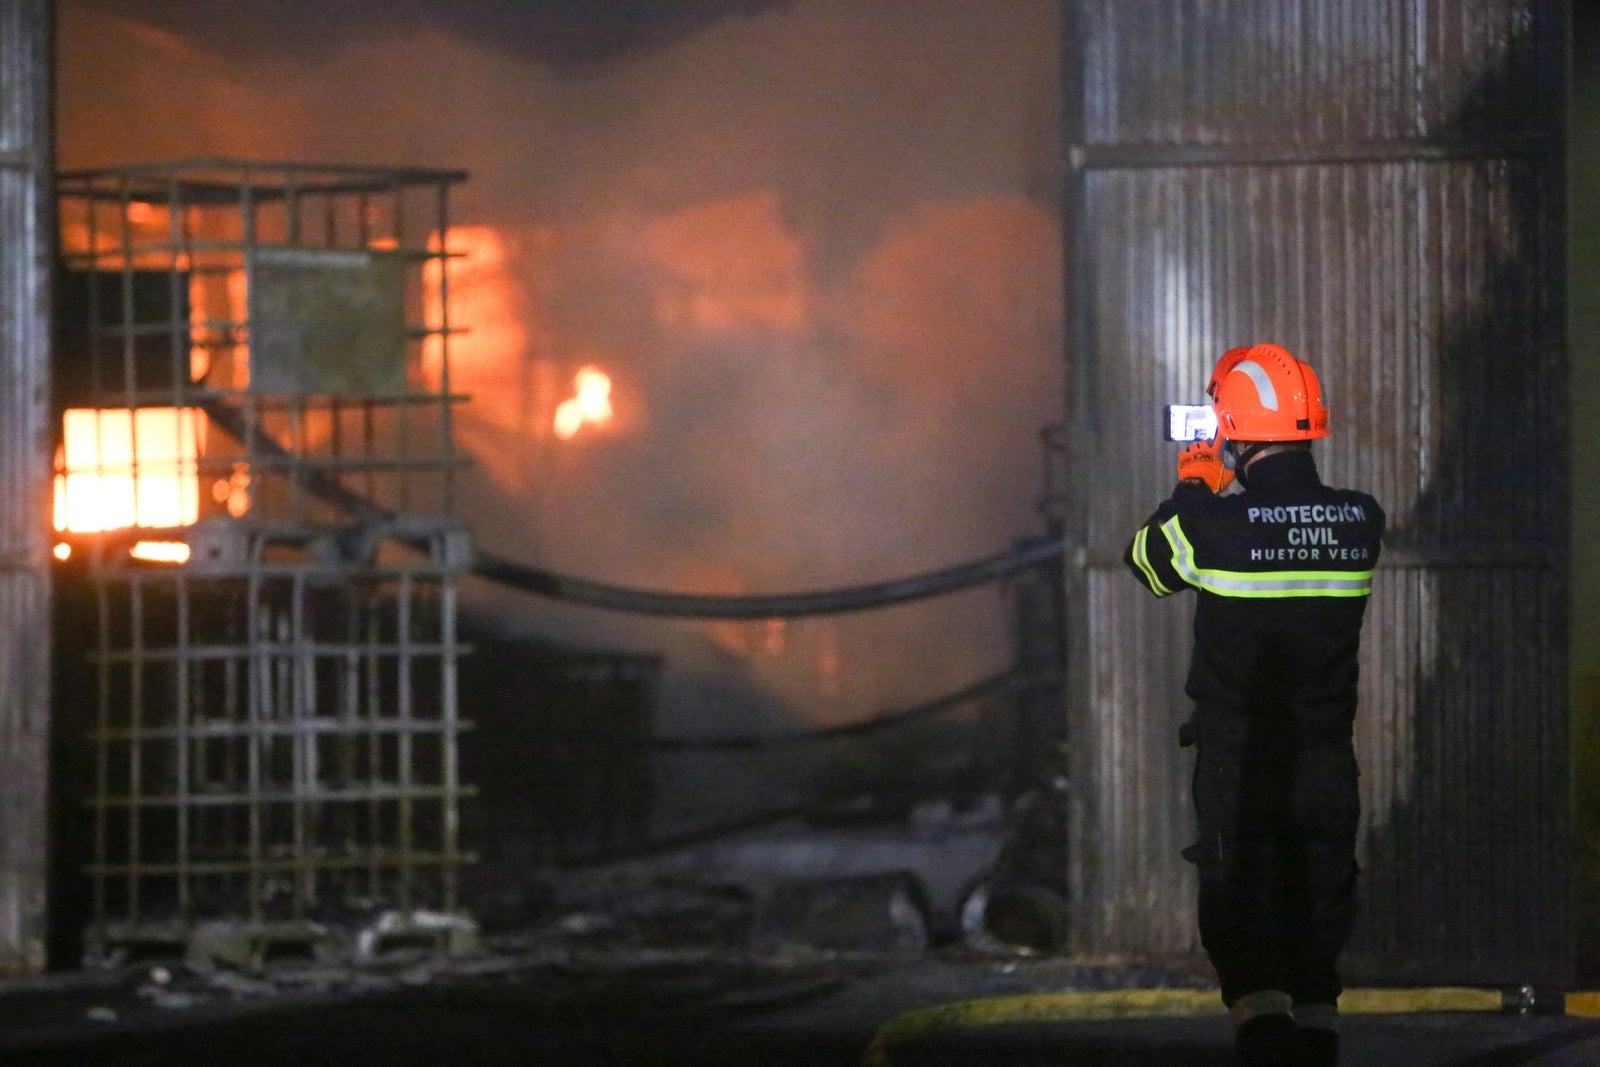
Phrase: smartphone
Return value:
(1191, 422)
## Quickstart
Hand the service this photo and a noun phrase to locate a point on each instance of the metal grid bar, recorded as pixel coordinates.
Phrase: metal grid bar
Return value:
(451, 770)
(442, 226)
(199, 730)
(181, 743)
(407, 810)
(294, 796)
(311, 651)
(342, 863)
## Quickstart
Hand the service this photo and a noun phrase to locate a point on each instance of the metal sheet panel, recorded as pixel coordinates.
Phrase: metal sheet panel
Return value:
(24, 478)
(1375, 186)
(330, 321)
(1326, 72)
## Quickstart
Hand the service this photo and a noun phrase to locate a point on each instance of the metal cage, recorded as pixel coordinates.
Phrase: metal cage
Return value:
(254, 491)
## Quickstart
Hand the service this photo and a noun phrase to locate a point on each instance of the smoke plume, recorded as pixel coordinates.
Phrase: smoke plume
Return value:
(814, 244)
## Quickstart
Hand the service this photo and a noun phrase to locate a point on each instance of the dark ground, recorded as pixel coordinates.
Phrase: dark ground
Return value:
(733, 956)
(670, 1008)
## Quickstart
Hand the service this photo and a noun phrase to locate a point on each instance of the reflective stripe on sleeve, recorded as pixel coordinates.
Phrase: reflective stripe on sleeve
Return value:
(1260, 583)
(1141, 556)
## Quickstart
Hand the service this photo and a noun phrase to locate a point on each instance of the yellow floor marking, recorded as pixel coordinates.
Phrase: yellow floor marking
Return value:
(1170, 1003)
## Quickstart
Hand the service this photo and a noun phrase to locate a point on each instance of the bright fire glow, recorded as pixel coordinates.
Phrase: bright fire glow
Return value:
(590, 406)
(63, 551)
(160, 551)
(102, 484)
(486, 355)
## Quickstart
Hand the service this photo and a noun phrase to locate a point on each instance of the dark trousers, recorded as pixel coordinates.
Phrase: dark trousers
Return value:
(1277, 806)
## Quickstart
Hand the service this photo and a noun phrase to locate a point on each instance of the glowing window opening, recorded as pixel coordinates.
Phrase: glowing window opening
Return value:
(101, 484)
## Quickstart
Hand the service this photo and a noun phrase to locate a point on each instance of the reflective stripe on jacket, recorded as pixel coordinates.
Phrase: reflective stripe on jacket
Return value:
(1282, 571)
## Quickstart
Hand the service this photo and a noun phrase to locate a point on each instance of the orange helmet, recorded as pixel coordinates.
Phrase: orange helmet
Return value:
(1262, 393)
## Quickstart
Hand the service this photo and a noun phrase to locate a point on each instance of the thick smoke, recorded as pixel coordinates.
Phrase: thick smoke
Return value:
(816, 248)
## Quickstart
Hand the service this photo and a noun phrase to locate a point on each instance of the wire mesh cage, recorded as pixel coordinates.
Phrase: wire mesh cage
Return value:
(255, 478)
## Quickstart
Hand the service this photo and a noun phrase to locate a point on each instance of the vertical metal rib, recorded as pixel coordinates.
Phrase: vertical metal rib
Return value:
(25, 596)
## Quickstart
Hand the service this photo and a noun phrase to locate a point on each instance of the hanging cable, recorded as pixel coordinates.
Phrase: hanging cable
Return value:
(765, 606)
(593, 594)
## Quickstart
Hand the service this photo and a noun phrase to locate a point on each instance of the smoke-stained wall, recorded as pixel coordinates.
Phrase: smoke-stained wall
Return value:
(1377, 187)
(815, 244)
(25, 601)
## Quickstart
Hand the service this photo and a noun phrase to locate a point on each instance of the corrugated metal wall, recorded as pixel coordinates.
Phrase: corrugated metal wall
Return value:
(25, 243)
(1377, 186)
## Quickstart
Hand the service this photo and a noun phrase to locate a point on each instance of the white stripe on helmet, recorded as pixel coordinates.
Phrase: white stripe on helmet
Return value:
(1258, 375)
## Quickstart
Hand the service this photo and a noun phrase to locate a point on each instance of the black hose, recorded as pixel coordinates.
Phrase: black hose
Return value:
(594, 594)
(765, 606)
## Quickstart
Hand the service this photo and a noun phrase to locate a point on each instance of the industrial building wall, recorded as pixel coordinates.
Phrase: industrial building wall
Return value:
(1378, 187)
(25, 243)
(1583, 197)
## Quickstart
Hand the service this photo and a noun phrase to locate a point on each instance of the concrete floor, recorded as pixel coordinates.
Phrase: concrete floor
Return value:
(690, 1007)
(703, 958)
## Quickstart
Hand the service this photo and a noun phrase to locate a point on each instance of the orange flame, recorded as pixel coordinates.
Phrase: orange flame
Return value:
(117, 468)
(590, 406)
(160, 551)
(488, 339)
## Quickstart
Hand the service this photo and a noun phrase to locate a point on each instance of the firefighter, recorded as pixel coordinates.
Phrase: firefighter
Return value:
(1282, 572)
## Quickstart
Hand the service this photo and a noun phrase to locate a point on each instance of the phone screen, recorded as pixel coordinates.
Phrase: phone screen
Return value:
(1191, 422)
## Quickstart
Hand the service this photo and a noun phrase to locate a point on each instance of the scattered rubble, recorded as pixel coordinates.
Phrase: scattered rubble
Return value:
(751, 924)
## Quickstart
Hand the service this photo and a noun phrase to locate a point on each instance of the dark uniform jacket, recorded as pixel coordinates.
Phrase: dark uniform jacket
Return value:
(1283, 571)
